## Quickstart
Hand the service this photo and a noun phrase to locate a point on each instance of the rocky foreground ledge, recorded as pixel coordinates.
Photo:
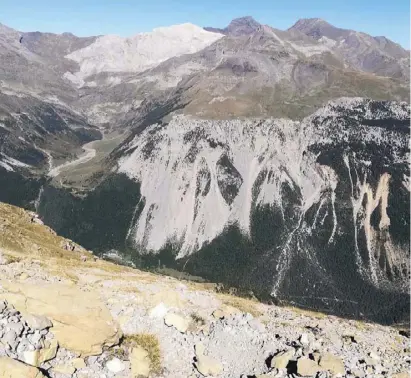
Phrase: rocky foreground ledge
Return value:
(64, 313)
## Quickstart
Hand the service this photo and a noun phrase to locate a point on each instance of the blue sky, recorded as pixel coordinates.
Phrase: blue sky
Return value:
(127, 17)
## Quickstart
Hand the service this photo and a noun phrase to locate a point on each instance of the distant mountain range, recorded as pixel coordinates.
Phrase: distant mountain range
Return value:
(271, 160)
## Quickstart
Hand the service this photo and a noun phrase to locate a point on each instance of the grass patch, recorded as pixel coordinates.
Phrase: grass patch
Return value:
(242, 304)
(306, 312)
(11, 259)
(149, 343)
(118, 352)
(198, 319)
(362, 325)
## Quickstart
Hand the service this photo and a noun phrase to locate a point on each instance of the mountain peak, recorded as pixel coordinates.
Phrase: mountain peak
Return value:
(309, 21)
(306, 23)
(244, 20)
(238, 26)
(317, 28)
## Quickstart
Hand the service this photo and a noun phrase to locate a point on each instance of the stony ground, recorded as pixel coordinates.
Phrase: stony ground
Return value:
(64, 313)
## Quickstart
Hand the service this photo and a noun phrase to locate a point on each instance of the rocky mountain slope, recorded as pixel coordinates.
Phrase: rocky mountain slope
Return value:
(255, 203)
(377, 55)
(294, 194)
(40, 74)
(220, 154)
(65, 313)
(37, 124)
(253, 71)
(138, 53)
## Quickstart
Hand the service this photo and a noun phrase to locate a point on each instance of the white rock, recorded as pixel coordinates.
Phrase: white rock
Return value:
(37, 322)
(115, 365)
(177, 321)
(31, 357)
(304, 339)
(140, 362)
(159, 311)
(374, 356)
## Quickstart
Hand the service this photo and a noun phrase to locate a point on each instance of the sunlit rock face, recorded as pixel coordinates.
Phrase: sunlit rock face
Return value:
(316, 211)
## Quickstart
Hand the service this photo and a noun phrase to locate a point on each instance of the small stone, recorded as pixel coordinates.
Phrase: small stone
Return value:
(177, 321)
(257, 325)
(16, 327)
(30, 357)
(159, 311)
(281, 360)
(10, 338)
(304, 339)
(333, 364)
(49, 352)
(218, 314)
(35, 338)
(206, 365)
(374, 356)
(336, 340)
(37, 322)
(115, 365)
(14, 319)
(358, 373)
(64, 369)
(3, 306)
(23, 346)
(370, 361)
(23, 276)
(307, 367)
(78, 363)
(140, 362)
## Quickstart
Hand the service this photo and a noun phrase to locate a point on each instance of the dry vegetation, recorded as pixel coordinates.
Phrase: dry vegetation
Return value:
(242, 304)
(306, 312)
(150, 344)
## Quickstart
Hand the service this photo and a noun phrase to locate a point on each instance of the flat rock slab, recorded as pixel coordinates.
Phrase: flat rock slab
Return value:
(140, 362)
(81, 322)
(10, 368)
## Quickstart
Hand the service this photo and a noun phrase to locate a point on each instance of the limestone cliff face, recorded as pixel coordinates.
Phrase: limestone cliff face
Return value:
(318, 199)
